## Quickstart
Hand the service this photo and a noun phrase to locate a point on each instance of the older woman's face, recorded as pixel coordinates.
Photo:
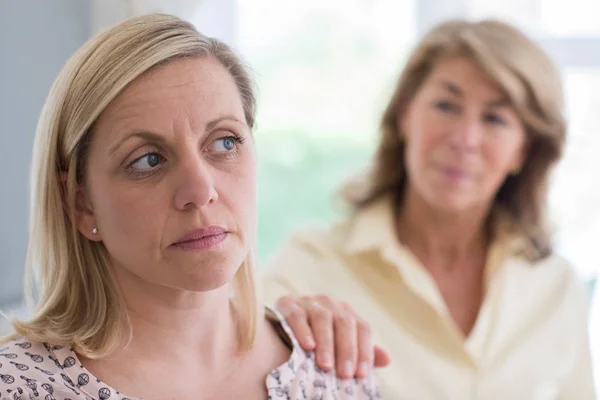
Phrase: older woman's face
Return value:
(463, 138)
(170, 180)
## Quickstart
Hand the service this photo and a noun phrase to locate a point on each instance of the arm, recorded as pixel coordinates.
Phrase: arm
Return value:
(579, 384)
(295, 281)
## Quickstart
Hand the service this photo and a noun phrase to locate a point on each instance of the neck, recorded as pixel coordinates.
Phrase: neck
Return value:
(441, 239)
(198, 328)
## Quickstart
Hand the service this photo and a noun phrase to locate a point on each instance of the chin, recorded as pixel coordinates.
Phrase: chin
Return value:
(452, 203)
(208, 274)
(203, 281)
(207, 284)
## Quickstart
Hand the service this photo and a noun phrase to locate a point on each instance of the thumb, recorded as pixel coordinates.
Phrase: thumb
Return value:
(382, 358)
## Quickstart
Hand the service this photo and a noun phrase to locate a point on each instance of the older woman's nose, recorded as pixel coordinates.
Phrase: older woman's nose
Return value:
(466, 133)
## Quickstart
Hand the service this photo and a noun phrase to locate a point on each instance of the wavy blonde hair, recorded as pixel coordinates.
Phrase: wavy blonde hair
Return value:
(532, 84)
(79, 302)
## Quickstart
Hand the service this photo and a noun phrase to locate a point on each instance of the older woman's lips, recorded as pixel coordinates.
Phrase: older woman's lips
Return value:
(453, 174)
(201, 239)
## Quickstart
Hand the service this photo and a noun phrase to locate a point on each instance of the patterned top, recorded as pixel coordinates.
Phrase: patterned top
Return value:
(32, 371)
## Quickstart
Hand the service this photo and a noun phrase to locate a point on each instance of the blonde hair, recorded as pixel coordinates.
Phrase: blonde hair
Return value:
(531, 83)
(79, 303)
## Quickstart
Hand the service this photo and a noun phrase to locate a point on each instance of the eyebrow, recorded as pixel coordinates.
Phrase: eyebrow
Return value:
(212, 124)
(149, 136)
(154, 137)
(458, 92)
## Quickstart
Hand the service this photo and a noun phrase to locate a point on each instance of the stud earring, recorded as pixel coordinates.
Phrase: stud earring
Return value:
(94, 230)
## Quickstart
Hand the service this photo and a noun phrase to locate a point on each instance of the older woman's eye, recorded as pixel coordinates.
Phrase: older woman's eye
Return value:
(494, 119)
(446, 106)
(147, 161)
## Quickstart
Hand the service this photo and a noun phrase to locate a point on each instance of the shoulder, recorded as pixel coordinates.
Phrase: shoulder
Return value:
(572, 283)
(312, 248)
(306, 262)
(557, 269)
(31, 370)
(551, 283)
(320, 241)
(301, 378)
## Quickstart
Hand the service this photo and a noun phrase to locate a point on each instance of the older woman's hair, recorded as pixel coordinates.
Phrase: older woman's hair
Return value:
(79, 303)
(532, 84)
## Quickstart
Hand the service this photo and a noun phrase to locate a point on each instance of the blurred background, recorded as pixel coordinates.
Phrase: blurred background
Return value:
(325, 69)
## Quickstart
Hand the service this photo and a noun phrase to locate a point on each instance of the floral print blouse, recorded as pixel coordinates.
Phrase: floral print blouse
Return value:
(32, 371)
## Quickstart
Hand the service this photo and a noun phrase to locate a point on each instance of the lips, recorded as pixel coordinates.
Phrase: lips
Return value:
(455, 174)
(201, 239)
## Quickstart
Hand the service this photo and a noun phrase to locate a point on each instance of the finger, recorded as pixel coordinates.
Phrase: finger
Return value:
(321, 322)
(365, 349)
(297, 319)
(346, 348)
(307, 302)
(382, 358)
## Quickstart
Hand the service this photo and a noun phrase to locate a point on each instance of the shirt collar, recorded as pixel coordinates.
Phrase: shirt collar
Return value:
(373, 228)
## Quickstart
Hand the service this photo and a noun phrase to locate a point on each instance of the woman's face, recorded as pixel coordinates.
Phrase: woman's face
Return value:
(171, 176)
(463, 138)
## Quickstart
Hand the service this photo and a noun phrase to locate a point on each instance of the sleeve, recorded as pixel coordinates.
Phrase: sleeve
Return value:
(579, 383)
(357, 389)
(369, 389)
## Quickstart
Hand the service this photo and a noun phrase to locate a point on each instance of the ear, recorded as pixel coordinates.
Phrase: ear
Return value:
(80, 211)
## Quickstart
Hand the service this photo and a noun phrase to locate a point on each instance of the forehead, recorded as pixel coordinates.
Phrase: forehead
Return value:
(465, 73)
(194, 89)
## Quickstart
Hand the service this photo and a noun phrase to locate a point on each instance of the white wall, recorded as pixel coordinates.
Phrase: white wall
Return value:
(214, 18)
(104, 13)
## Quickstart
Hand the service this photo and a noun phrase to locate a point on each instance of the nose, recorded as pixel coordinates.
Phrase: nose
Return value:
(466, 133)
(194, 185)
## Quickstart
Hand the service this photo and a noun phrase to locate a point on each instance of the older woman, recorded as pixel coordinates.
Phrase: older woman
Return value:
(447, 251)
(143, 221)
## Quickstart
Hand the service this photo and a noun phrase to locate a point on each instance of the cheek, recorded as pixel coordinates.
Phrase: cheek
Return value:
(503, 157)
(237, 192)
(425, 139)
(128, 213)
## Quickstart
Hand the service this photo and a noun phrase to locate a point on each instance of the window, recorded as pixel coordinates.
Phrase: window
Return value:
(322, 71)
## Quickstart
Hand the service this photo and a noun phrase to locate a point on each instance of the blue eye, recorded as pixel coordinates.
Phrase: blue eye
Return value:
(147, 161)
(225, 144)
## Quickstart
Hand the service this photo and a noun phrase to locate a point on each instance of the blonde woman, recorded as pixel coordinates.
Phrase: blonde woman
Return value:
(143, 220)
(447, 252)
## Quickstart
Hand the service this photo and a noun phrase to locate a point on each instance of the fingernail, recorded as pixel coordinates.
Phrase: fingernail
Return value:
(310, 342)
(363, 369)
(347, 368)
(327, 359)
